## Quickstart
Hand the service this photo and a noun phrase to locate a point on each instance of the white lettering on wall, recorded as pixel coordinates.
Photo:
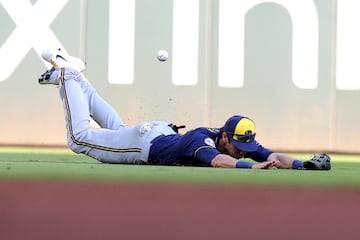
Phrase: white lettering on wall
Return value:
(185, 49)
(33, 21)
(121, 41)
(348, 45)
(231, 42)
(32, 31)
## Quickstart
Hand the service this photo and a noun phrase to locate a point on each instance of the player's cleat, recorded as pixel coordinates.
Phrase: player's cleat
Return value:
(318, 162)
(49, 77)
(55, 57)
(59, 59)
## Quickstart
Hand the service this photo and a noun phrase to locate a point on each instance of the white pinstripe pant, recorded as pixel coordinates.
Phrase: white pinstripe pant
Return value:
(113, 143)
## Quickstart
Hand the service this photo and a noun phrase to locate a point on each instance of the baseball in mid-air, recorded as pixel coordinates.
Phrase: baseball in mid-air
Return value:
(162, 55)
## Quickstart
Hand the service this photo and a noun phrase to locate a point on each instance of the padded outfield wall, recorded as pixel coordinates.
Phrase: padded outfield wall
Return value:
(292, 66)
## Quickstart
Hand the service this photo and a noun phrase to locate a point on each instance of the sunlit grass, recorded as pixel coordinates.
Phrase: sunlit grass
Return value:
(62, 164)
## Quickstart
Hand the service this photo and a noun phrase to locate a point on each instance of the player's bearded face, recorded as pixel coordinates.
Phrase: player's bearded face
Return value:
(225, 146)
(234, 152)
(230, 149)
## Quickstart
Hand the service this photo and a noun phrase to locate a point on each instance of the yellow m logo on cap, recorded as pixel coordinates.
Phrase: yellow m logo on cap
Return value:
(244, 128)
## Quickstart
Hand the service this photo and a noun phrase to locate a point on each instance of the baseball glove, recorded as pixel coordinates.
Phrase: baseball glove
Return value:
(318, 162)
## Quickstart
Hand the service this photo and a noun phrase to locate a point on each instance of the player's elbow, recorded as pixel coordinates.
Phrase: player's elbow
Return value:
(223, 161)
(215, 162)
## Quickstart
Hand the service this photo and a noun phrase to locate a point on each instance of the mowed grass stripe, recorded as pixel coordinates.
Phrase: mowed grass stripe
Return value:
(62, 164)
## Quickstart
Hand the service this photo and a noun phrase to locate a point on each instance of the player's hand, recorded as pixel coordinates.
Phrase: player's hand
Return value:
(265, 165)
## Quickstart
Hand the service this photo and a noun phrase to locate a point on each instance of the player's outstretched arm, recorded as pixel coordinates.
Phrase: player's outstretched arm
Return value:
(284, 161)
(265, 165)
(317, 162)
(226, 161)
(223, 161)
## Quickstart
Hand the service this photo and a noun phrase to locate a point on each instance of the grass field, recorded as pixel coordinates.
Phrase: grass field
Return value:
(62, 164)
(56, 194)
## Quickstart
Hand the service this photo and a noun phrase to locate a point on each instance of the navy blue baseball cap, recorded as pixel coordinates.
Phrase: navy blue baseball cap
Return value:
(241, 132)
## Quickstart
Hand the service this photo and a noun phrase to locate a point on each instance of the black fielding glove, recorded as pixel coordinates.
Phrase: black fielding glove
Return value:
(318, 162)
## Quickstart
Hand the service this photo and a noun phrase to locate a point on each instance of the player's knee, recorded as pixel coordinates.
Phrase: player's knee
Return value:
(78, 142)
(74, 147)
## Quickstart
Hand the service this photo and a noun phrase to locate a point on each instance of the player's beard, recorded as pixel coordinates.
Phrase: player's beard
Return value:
(225, 151)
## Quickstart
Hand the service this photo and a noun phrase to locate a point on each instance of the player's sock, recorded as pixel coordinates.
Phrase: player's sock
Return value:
(297, 164)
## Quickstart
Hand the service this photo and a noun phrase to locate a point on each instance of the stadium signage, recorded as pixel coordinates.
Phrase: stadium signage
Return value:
(32, 31)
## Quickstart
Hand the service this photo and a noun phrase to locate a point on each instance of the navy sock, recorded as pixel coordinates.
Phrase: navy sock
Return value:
(297, 164)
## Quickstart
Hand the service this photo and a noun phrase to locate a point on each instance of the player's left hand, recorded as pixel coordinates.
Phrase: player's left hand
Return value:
(266, 165)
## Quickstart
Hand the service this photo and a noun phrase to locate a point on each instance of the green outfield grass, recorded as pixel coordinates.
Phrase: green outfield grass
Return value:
(62, 164)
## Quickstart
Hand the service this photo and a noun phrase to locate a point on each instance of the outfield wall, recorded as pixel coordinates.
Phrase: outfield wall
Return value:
(289, 65)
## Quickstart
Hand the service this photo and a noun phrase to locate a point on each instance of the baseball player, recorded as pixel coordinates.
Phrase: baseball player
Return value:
(156, 142)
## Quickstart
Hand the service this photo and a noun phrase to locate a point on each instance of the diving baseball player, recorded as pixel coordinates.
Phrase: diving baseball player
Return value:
(155, 142)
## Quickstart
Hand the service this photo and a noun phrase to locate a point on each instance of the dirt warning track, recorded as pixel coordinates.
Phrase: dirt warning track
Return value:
(66, 210)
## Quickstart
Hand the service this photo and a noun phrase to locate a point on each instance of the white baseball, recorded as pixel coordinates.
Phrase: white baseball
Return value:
(162, 55)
